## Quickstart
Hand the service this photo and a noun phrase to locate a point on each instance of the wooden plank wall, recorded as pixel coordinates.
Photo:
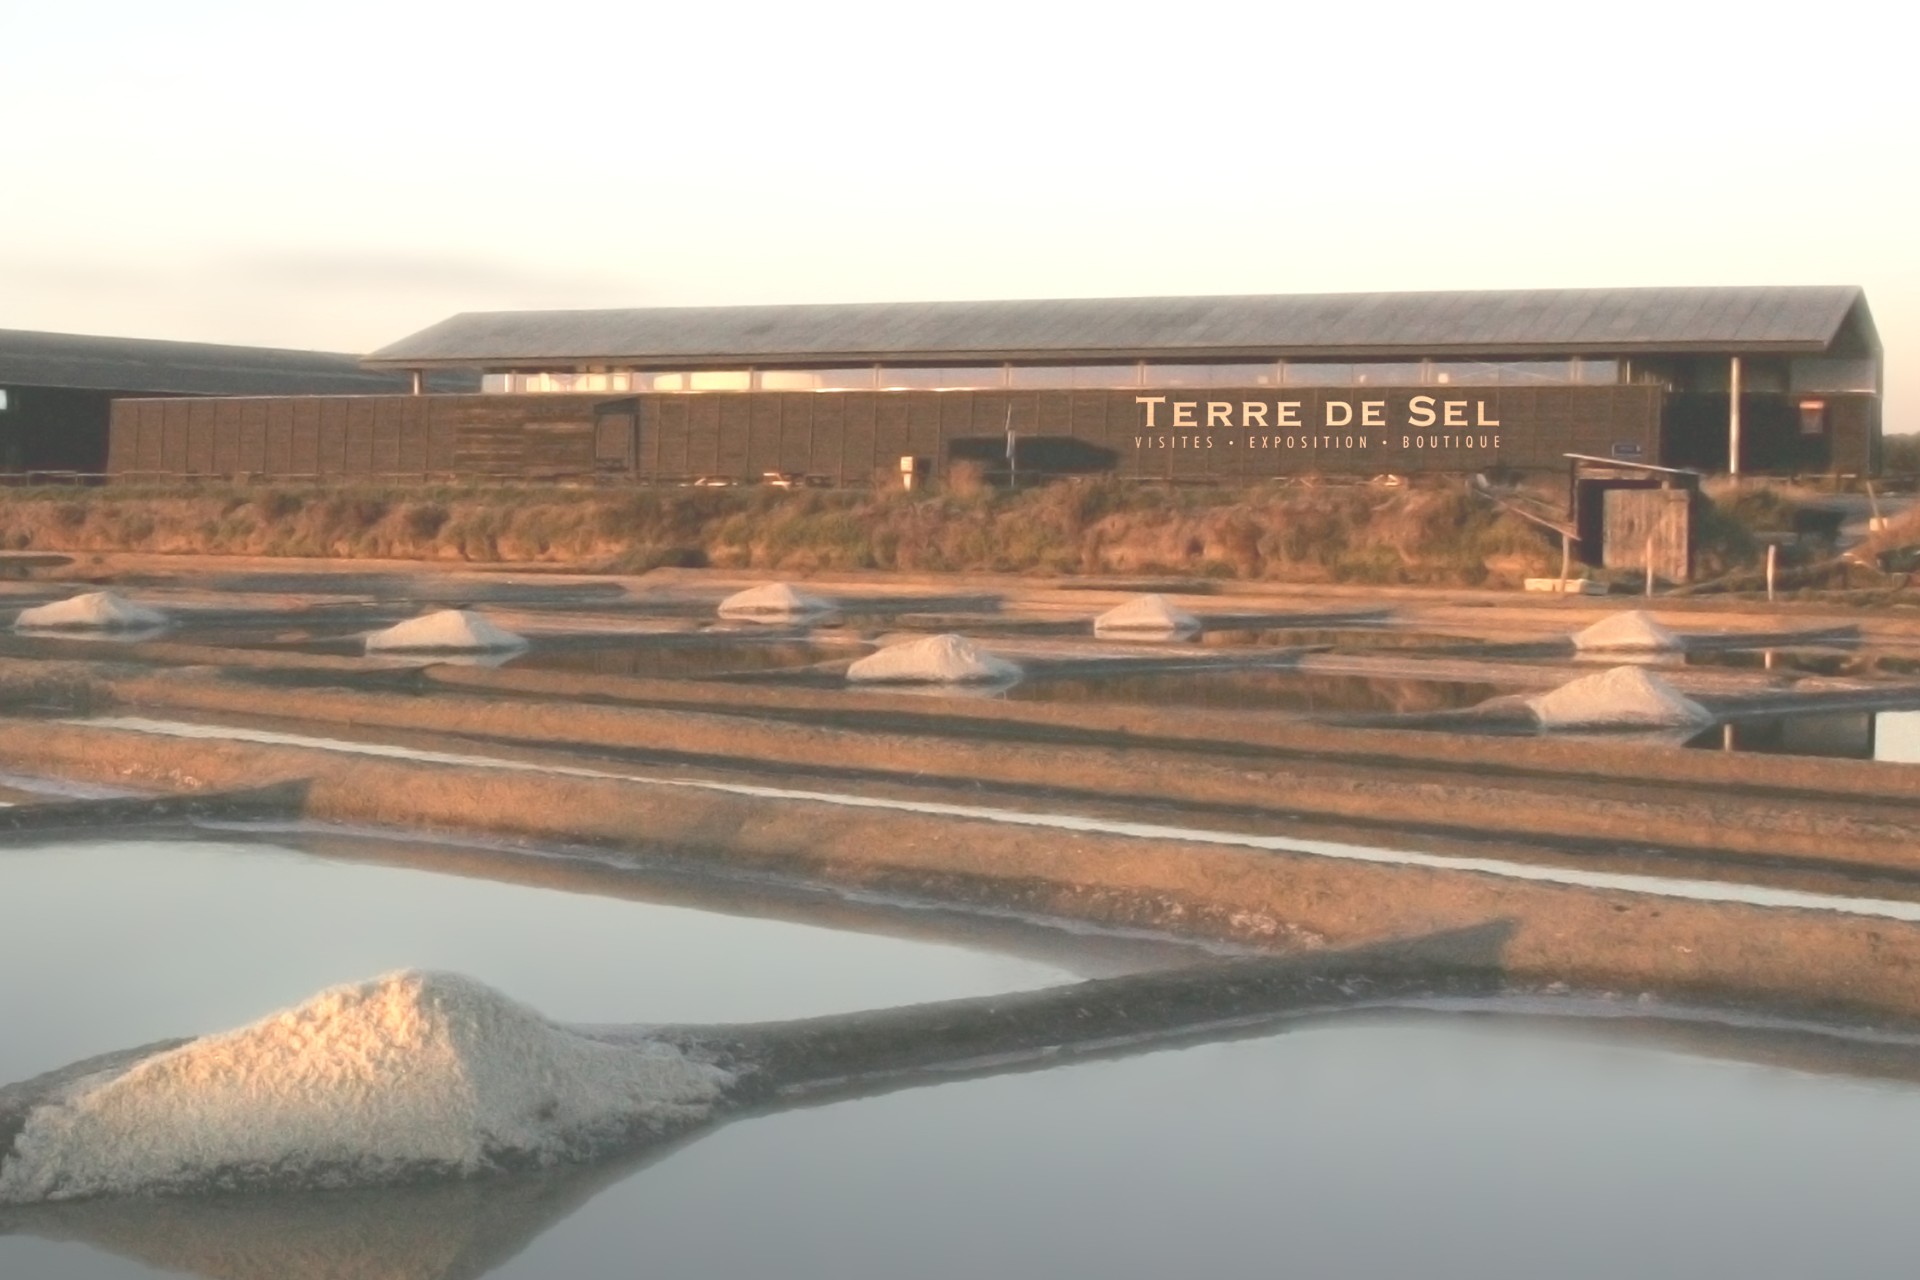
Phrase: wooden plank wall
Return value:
(313, 437)
(1853, 423)
(852, 437)
(1643, 522)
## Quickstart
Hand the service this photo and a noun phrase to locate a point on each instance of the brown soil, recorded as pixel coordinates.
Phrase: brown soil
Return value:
(1840, 827)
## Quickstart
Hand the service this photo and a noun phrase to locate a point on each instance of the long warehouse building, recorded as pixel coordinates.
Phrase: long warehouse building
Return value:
(57, 390)
(1762, 379)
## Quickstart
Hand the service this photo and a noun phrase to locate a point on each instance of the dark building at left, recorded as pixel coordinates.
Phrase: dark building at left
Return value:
(57, 389)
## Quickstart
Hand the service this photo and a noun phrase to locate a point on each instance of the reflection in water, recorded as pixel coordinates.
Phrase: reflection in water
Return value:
(1857, 664)
(1258, 690)
(1498, 1146)
(448, 1231)
(225, 931)
(1339, 639)
(1805, 662)
(1845, 735)
(681, 659)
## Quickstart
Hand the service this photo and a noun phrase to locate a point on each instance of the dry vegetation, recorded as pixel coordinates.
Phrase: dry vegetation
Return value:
(1433, 534)
(1903, 455)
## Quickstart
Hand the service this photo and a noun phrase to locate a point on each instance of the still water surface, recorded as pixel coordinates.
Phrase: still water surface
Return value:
(1371, 1145)
(1892, 736)
(115, 944)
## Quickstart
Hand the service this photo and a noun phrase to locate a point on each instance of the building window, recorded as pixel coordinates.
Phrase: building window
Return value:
(720, 380)
(555, 383)
(855, 379)
(1093, 377)
(973, 377)
(1599, 372)
(1315, 373)
(1813, 417)
(1264, 374)
(1818, 373)
(696, 380)
(1387, 374)
(1491, 373)
(1084, 377)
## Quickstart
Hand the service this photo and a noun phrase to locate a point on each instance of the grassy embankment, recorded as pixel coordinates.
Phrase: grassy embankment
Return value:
(1437, 535)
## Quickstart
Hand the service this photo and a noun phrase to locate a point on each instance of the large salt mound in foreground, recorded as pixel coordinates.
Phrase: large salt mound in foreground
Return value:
(1146, 615)
(1623, 697)
(406, 1076)
(774, 602)
(448, 631)
(1632, 630)
(95, 611)
(947, 659)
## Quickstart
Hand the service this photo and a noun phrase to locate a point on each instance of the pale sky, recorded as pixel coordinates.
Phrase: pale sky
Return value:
(339, 175)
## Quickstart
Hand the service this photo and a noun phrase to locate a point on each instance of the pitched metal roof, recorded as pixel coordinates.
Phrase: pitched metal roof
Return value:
(1802, 319)
(195, 368)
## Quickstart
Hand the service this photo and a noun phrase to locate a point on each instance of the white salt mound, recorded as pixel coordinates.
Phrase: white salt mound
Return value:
(407, 1075)
(1150, 615)
(447, 631)
(95, 611)
(947, 659)
(1630, 630)
(776, 601)
(1622, 697)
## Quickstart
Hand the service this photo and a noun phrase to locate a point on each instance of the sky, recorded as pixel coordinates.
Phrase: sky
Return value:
(337, 176)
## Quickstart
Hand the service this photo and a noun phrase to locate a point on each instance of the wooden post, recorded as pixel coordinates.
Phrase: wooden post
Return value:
(1773, 563)
(1013, 461)
(1649, 566)
(1566, 559)
(1733, 416)
(1726, 737)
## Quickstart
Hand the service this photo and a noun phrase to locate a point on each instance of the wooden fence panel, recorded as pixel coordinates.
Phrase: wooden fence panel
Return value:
(796, 432)
(1643, 523)
(278, 438)
(703, 435)
(201, 416)
(332, 459)
(359, 460)
(762, 432)
(828, 437)
(892, 439)
(674, 435)
(415, 429)
(305, 442)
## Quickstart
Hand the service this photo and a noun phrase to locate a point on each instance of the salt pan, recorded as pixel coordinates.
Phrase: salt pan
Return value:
(947, 659)
(94, 611)
(409, 1075)
(447, 631)
(1146, 615)
(1632, 630)
(774, 602)
(1623, 697)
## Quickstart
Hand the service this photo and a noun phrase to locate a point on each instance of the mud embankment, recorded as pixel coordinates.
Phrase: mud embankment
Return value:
(1584, 794)
(1829, 960)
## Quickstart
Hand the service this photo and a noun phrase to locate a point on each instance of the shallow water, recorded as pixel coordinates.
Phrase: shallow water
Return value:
(112, 944)
(1854, 662)
(1402, 1147)
(1377, 1145)
(1847, 735)
(705, 658)
(1241, 689)
(1345, 639)
(1663, 886)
